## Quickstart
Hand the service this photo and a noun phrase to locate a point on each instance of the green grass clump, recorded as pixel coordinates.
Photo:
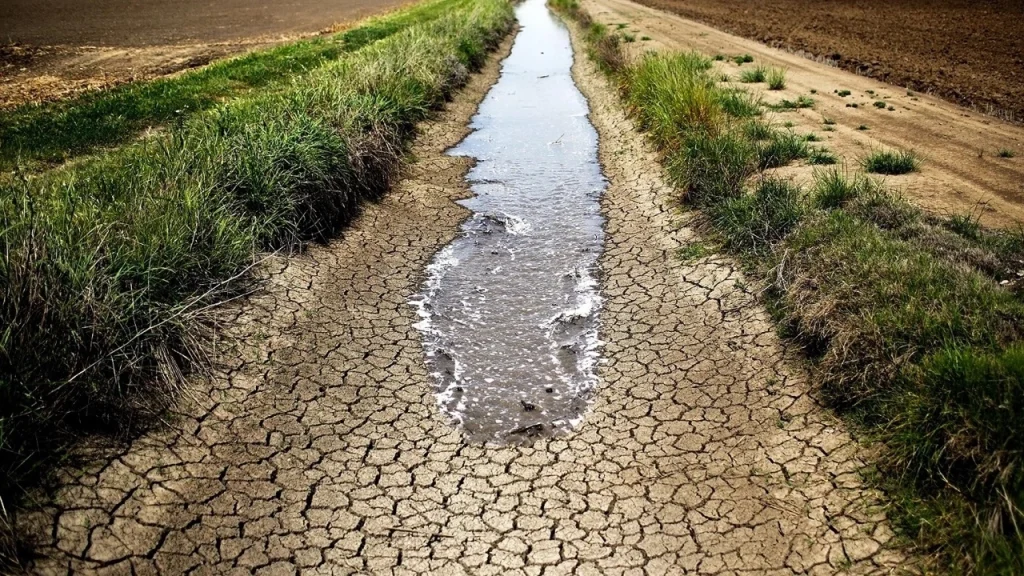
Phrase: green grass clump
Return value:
(955, 416)
(694, 251)
(895, 298)
(109, 264)
(672, 96)
(821, 156)
(757, 130)
(711, 167)
(739, 103)
(843, 93)
(892, 162)
(879, 104)
(37, 135)
(966, 225)
(754, 222)
(1006, 153)
(776, 79)
(781, 149)
(743, 59)
(835, 188)
(755, 74)
(801, 102)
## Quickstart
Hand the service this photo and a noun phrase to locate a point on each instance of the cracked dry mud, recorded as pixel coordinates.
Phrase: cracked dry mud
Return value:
(317, 445)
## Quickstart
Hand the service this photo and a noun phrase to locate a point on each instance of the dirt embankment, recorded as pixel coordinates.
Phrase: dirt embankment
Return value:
(961, 171)
(969, 52)
(52, 49)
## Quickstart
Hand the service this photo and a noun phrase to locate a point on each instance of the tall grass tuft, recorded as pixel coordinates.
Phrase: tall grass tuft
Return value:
(754, 75)
(711, 167)
(836, 188)
(672, 96)
(776, 79)
(754, 222)
(781, 148)
(891, 162)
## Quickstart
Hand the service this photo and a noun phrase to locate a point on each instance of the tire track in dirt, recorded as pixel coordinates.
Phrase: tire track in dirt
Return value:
(317, 447)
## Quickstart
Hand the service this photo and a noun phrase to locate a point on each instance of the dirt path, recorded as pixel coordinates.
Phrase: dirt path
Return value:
(961, 171)
(318, 446)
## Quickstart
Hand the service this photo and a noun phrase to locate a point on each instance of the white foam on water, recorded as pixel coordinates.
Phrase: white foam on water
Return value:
(509, 310)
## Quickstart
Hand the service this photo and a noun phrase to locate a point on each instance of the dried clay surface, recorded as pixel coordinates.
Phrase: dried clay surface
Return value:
(317, 446)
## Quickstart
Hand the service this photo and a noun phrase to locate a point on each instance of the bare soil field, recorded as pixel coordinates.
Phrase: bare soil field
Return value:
(54, 48)
(969, 52)
(961, 171)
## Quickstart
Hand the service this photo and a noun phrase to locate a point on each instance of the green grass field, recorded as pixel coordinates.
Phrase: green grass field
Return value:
(912, 323)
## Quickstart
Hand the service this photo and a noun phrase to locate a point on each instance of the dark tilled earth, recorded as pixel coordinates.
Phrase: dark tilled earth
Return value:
(156, 22)
(51, 49)
(966, 51)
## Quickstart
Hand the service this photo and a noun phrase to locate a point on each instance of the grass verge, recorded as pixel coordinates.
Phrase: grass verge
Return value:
(37, 135)
(913, 324)
(111, 265)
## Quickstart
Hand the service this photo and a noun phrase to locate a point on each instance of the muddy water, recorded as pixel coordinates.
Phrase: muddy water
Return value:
(509, 312)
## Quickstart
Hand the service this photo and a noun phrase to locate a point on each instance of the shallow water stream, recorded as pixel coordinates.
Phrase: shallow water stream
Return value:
(509, 312)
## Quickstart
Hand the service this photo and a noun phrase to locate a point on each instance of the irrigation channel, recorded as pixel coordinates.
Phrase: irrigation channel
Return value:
(509, 312)
(310, 448)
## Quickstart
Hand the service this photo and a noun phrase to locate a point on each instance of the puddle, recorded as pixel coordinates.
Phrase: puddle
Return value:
(509, 311)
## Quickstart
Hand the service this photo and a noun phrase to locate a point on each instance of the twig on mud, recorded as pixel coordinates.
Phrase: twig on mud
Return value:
(775, 503)
(780, 278)
(416, 532)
